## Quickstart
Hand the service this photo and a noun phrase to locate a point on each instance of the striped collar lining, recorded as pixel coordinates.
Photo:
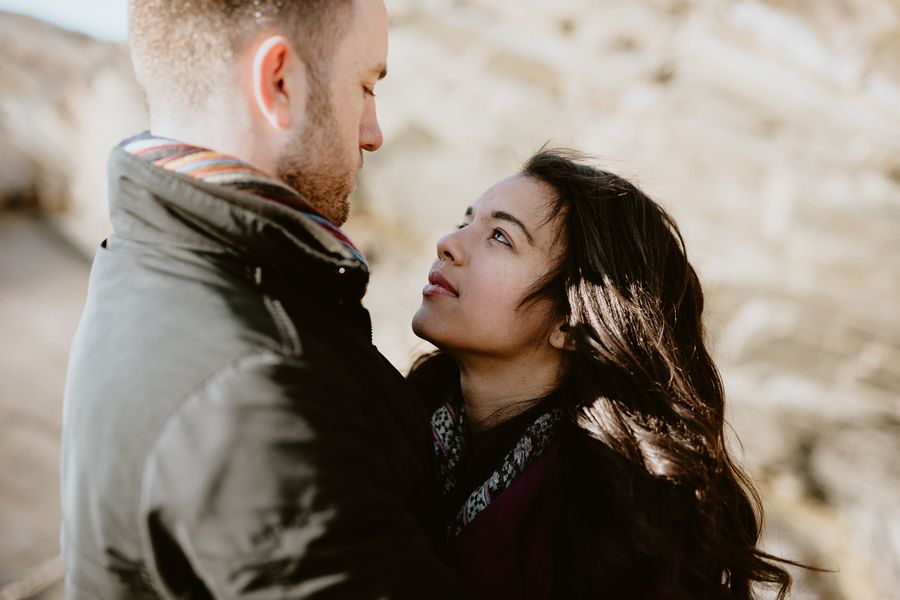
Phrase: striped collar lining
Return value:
(223, 169)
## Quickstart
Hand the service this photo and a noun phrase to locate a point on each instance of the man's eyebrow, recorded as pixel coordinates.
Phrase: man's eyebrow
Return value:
(469, 211)
(381, 69)
(505, 216)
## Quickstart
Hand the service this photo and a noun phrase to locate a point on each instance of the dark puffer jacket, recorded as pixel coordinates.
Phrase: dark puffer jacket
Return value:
(230, 431)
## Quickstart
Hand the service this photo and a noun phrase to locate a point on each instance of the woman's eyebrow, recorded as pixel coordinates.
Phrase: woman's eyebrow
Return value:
(505, 216)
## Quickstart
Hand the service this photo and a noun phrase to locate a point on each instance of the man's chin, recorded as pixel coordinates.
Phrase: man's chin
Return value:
(337, 211)
(342, 218)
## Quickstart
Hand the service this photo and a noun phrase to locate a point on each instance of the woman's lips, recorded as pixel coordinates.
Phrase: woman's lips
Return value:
(439, 286)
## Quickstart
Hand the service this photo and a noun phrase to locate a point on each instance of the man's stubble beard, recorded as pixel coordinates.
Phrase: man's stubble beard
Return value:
(314, 165)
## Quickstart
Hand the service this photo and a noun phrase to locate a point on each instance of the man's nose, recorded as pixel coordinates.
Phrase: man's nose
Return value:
(370, 136)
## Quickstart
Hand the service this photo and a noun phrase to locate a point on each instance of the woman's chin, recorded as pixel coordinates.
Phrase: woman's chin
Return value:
(419, 324)
(426, 327)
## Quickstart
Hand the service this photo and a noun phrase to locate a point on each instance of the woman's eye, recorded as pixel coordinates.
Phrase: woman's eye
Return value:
(369, 91)
(461, 225)
(498, 235)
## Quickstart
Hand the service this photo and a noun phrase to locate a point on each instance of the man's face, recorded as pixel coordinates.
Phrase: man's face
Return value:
(325, 155)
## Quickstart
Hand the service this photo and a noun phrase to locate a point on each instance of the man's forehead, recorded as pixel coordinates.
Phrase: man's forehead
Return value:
(370, 19)
(365, 44)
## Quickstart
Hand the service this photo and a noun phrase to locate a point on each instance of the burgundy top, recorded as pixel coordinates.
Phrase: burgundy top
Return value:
(498, 554)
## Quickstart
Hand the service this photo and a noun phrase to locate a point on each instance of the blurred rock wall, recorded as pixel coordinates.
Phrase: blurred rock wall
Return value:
(65, 101)
(769, 128)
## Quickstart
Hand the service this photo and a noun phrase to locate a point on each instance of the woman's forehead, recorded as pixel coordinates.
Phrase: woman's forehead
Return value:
(526, 197)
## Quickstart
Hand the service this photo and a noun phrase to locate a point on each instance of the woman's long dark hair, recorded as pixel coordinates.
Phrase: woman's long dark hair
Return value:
(650, 497)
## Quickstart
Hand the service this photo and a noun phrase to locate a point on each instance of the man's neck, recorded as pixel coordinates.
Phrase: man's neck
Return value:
(234, 140)
(497, 388)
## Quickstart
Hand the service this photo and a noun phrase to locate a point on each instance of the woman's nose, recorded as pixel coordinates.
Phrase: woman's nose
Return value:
(448, 248)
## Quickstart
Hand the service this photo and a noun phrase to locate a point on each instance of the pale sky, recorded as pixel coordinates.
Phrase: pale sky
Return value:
(104, 19)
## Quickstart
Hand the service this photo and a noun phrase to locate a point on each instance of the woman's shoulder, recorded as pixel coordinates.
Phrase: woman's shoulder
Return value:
(617, 530)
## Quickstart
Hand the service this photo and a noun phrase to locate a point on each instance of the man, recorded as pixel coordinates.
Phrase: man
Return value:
(229, 429)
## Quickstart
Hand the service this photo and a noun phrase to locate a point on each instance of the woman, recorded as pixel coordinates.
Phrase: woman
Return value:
(577, 415)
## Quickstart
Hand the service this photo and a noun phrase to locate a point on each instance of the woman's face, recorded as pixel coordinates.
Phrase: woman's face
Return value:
(472, 303)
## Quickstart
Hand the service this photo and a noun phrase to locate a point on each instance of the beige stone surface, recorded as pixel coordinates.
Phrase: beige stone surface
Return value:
(65, 100)
(769, 128)
(42, 288)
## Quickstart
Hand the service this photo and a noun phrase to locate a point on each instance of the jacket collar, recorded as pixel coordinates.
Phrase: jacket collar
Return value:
(163, 208)
(228, 171)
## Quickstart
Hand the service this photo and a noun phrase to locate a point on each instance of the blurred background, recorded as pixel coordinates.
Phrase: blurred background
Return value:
(769, 128)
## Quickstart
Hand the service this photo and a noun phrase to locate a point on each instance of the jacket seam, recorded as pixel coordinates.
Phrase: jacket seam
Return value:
(290, 338)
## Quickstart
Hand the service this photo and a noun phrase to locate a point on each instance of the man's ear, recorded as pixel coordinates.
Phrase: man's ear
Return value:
(561, 338)
(278, 81)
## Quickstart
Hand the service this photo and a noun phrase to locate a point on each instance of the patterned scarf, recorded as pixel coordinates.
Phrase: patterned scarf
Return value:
(223, 169)
(450, 431)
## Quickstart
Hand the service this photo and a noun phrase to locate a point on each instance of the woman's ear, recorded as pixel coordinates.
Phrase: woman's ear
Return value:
(275, 86)
(561, 338)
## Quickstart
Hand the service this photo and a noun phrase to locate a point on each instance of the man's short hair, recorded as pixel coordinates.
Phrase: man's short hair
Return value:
(182, 48)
